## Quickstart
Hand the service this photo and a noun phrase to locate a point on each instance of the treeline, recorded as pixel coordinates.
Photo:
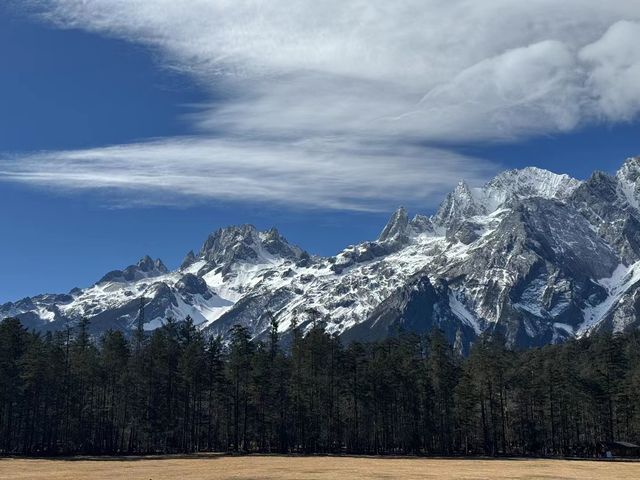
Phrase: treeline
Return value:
(176, 391)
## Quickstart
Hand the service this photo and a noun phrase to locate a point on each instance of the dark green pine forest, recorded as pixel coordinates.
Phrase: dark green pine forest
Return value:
(174, 390)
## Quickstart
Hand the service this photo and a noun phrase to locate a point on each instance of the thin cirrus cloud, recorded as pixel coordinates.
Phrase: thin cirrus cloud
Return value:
(304, 174)
(330, 104)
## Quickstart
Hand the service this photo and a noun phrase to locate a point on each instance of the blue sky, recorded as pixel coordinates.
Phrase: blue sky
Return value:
(241, 139)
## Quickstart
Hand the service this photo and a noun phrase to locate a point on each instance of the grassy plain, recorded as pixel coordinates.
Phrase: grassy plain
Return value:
(209, 467)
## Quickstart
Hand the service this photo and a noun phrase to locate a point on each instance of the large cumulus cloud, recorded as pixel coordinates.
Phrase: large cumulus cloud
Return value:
(312, 87)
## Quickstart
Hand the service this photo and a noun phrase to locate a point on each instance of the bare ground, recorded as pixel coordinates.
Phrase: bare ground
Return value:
(205, 467)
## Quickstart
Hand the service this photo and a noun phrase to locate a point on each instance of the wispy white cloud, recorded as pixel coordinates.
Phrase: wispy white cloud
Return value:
(326, 174)
(313, 86)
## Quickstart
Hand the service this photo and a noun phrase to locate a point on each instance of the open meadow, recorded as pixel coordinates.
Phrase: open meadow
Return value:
(205, 467)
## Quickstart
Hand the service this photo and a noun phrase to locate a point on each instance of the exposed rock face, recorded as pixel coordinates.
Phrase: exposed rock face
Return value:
(610, 206)
(191, 284)
(629, 180)
(396, 228)
(418, 306)
(244, 244)
(189, 258)
(459, 204)
(538, 256)
(534, 270)
(145, 268)
(502, 192)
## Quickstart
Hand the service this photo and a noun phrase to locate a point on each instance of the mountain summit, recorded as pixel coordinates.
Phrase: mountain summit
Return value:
(538, 256)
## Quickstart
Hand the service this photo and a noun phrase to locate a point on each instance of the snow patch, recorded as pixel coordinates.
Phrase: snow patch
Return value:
(622, 279)
(460, 311)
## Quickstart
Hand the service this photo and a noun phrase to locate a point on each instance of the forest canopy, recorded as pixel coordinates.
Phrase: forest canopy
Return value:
(174, 390)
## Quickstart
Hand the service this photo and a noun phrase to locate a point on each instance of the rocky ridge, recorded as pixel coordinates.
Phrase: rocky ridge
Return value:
(539, 256)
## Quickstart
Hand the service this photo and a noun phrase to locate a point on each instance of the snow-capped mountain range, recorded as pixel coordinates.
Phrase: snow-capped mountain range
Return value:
(538, 256)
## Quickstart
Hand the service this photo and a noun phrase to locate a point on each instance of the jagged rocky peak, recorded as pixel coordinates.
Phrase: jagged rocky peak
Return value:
(421, 223)
(630, 169)
(538, 256)
(610, 204)
(461, 203)
(189, 258)
(629, 180)
(146, 267)
(229, 244)
(532, 182)
(599, 187)
(244, 243)
(147, 264)
(399, 229)
(508, 187)
(396, 227)
(277, 245)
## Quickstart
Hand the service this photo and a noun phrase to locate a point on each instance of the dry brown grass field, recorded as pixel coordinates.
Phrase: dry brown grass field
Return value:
(205, 467)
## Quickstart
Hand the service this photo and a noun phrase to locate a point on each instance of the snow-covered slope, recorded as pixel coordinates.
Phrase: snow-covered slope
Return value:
(505, 189)
(536, 255)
